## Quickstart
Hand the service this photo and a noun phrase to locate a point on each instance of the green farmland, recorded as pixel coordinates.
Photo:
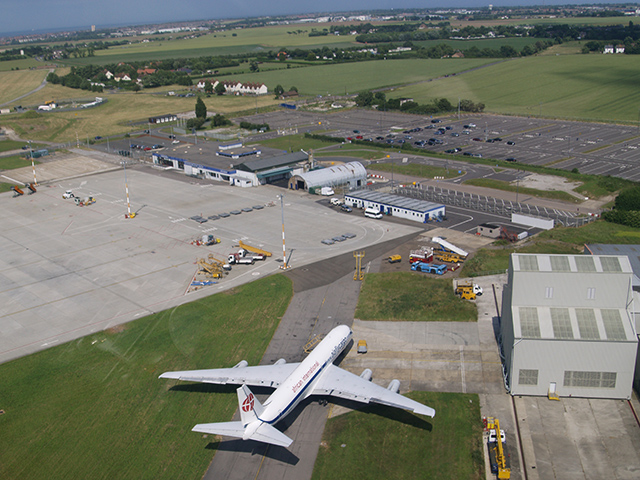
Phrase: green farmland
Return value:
(355, 77)
(584, 87)
(247, 40)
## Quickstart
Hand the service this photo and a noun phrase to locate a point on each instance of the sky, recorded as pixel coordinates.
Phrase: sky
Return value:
(52, 15)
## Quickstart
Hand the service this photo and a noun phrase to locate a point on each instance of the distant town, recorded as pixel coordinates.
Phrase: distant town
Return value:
(201, 27)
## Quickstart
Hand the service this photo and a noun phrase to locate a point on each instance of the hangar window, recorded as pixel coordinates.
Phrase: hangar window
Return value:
(548, 292)
(528, 263)
(590, 379)
(585, 264)
(587, 324)
(613, 324)
(529, 323)
(610, 264)
(560, 264)
(527, 377)
(561, 323)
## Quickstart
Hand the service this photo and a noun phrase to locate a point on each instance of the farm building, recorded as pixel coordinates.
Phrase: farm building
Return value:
(566, 326)
(396, 205)
(352, 175)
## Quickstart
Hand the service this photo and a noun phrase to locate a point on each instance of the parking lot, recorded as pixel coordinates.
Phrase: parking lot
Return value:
(599, 149)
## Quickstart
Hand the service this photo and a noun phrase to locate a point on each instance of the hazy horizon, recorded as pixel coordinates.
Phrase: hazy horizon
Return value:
(46, 16)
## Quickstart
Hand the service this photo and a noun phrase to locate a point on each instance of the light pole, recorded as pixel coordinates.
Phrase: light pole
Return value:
(284, 250)
(33, 165)
(126, 188)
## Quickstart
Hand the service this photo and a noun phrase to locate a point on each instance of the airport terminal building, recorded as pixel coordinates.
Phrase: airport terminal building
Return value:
(403, 207)
(566, 326)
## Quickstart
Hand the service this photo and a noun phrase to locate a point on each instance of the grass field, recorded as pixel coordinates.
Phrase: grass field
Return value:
(355, 77)
(417, 170)
(585, 87)
(16, 83)
(409, 296)
(6, 145)
(246, 40)
(95, 408)
(114, 117)
(15, 161)
(357, 444)
(562, 240)
(508, 187)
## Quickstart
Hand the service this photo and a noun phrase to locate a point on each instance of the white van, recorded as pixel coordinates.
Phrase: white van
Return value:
(372, 213)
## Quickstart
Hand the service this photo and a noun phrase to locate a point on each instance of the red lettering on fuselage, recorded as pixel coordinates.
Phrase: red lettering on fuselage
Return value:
(306, 376)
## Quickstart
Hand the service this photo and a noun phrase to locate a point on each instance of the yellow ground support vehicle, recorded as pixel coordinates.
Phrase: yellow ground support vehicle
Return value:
(448, 257)
(394, 258)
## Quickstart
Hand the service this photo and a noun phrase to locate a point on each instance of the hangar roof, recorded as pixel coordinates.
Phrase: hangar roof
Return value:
(258, 164)
(395, 200)
(631, 251)
(334, 175)
(571, 297)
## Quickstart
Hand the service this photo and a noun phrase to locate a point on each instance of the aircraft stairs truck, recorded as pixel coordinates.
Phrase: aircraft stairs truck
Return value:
(450, 247)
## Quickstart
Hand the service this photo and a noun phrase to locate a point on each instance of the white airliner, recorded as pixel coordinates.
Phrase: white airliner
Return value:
(315, 375)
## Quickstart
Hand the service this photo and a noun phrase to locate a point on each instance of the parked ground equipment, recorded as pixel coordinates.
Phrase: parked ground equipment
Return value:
(423, 254)
(429, 268)
(467, 289)
(86, 201)
(17, 191)
(251, 249)
(448, 257)
(498, 457)
(68, 194)
(394, 259)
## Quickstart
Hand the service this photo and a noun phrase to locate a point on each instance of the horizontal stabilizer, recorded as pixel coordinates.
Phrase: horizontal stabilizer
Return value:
(265, 433)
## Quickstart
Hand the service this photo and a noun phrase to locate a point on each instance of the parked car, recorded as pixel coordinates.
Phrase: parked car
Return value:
(511, 143)
(345, 208)
(510, 159)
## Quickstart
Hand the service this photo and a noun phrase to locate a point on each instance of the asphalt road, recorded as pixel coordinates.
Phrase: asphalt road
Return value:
(325, 296)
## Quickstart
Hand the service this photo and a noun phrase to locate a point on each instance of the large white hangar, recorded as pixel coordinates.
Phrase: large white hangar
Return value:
(396, 205)
(566, 326)
(353, 175)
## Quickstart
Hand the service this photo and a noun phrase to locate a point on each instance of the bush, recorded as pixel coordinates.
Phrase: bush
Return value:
(255, 126)
(630, 218)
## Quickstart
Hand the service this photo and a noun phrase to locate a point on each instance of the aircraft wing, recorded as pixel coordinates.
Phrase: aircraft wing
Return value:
(340, 383)
(259, 375)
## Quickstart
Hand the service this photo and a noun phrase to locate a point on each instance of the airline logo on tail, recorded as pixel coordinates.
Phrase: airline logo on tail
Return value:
(247, 404)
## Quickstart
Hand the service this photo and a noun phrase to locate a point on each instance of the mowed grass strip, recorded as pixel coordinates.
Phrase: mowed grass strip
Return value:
(416, 170)
(524, 191)
(15, 161)
(449, 446)
(95, 408)
(410, 296)
(19, 82)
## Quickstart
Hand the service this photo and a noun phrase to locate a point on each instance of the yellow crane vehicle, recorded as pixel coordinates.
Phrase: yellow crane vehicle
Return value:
(213, 269)
(251, 249)
(498, 458)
